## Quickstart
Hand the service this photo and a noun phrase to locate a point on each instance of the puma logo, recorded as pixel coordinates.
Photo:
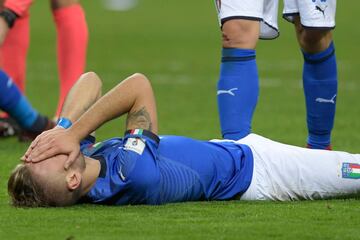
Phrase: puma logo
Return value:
(322, 10)
(324, 100)
(230, 91)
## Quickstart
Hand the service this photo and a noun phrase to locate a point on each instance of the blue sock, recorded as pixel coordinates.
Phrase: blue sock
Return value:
(320, 88)
(238, 90)
(15, 104)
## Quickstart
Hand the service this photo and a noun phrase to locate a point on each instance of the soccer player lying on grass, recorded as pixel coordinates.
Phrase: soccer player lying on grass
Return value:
(60, 168)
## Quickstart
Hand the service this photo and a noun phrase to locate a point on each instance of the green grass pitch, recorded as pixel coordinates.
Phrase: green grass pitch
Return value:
(177, 44)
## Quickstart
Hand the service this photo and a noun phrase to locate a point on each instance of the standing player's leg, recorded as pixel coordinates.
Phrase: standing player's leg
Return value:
(72, 39)
(313, 23)
(320, 84)
(238, 85)
(14, 44)
(16, 105)
(13, 51)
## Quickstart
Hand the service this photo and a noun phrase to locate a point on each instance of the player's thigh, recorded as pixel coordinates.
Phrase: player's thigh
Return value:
(62, 3)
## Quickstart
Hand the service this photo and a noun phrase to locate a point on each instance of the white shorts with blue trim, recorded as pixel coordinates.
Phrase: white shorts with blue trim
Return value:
(284, 172)
(313, 13)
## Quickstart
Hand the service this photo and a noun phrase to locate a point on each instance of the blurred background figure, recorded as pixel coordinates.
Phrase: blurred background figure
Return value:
(72, 39)
(28, 121)
(120, 5)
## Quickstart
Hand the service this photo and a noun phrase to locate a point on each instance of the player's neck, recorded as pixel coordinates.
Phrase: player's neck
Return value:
(90, 174)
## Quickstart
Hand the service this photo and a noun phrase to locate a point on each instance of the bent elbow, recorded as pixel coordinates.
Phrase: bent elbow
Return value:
(93, 79)
(93, 83)
(141, 77)
(141, 80)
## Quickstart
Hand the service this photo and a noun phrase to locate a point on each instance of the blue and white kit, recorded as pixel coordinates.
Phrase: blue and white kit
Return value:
(143, 169)
(140, 169)
(313, 13)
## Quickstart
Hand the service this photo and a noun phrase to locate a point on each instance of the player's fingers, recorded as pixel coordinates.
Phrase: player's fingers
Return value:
(34, 143)
(72, 157)
(23, 157)
(45, 155)
(37, 147)
(43, 140)
(27, 153)
(31, 147)
(39, 150)
(44, 137)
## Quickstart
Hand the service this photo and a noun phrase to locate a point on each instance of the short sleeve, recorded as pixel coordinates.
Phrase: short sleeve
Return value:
(151, 139)
(89, 140)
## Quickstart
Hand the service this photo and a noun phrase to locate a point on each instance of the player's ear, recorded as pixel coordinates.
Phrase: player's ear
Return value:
(73, 180)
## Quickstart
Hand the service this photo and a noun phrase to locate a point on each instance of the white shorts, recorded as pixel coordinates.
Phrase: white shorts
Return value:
(283, 172)
(313, 13)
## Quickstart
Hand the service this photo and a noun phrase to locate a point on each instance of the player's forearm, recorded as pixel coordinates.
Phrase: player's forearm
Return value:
(85, 92)
(133, 96)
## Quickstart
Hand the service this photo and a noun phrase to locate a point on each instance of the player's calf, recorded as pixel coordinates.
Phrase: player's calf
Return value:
(238, 85)
(320, 83)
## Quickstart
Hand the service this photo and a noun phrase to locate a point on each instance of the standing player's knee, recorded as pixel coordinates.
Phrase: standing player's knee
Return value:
(240, 33)
(314, 40)
(55, 4)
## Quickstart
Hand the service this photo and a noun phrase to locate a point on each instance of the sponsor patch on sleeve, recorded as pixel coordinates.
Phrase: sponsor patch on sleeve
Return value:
(350, 170)
(135, 144)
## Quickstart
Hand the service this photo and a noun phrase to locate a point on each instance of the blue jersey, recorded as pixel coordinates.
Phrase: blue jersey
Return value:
(138, 169)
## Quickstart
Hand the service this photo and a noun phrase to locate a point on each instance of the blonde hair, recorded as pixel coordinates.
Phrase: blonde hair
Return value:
(26, 191)
(23, 190)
